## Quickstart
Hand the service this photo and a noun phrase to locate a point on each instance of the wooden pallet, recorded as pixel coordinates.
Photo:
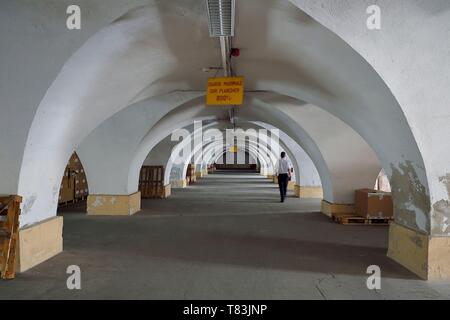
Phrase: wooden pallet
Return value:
(82, 198)
(9, 234)
(357, 220)
(66, 203)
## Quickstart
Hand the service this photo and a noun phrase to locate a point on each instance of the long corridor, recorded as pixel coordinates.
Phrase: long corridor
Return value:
(225, 237)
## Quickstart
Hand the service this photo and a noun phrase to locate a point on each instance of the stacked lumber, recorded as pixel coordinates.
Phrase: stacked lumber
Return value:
(9, 234)
(353, 219)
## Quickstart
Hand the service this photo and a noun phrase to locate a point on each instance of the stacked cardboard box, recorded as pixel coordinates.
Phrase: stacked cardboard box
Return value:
(81, 187)
(67, 189)
(373, 204)
(190, 174)
(74, 185)
(151, 182)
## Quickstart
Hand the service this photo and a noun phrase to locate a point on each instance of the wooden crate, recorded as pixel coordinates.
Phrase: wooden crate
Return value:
(348, 219)
(151, 182)
(373, 204)
(67, 190)
(74, 185)
(9, 234)
(81, 187)
(76, 170)
(190, 174)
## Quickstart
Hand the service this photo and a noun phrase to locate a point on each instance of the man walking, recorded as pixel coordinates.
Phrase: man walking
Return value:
(283, 171)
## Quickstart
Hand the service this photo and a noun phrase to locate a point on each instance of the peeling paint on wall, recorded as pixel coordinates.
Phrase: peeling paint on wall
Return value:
(28, 203)
(98, 202)
(176, 173)
(441, 211)
(417, 241)
(411, 198)
(446, 181)
(55, 194)
(441, 218)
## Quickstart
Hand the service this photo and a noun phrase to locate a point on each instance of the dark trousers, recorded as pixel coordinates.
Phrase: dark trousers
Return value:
(283, 180)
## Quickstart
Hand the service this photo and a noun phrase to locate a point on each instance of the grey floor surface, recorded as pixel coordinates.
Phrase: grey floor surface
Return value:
(226, 237)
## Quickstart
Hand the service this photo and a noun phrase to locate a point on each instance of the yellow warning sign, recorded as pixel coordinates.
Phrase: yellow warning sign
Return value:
(233, 149)
(225, 91)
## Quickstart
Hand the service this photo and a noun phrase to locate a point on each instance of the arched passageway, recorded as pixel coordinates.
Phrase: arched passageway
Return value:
(345, 104)
(226, 235)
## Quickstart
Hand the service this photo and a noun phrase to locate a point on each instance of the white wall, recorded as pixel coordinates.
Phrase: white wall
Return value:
(159, 155)
(108, 150)
(35, 46)
(57, 88)
(410, 53)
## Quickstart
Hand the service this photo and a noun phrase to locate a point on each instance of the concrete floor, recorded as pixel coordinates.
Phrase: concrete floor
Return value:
(226, 237)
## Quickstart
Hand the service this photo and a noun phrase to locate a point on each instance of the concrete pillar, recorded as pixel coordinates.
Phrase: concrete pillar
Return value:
(308, 191)
(263, 171)
(330, 209)
(114, 205)
(39, 242)
(178, 183)
(199, 174)
(419, 238)
(425, 255)
(291, 185)
(198, 171)
(167, 191)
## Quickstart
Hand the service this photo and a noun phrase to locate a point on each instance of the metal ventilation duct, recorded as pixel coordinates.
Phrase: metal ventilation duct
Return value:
(221, 17)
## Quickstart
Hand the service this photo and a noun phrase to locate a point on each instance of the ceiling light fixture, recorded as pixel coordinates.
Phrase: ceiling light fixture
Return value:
(221, 17)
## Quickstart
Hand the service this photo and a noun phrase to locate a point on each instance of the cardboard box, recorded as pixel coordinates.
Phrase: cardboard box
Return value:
(67, 191)
(371, 203)
(75, 163)
(81, 191)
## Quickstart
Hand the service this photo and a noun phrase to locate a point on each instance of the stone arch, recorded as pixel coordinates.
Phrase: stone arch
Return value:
(193, 152)
(192, 112)
(96, 81)
(96, 91)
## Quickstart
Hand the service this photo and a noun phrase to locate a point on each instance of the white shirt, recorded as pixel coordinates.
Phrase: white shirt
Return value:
(283, 166)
